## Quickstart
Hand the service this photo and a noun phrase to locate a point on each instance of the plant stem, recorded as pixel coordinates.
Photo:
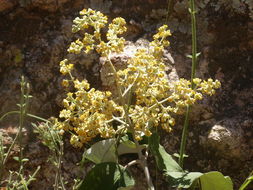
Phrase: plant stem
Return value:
(142, 158)
(169, 9)
(24, 101)
(21, 121)
(193, 72)
(247, 181)
(194, 40)
(184, 138)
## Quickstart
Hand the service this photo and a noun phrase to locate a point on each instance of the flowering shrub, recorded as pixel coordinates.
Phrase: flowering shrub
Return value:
(145, 99)
(89, 112)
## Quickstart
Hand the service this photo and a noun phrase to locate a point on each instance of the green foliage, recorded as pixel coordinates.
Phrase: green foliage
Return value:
(182, 179)
(247, 181)
(127, 146)
(215, 181)
(17, 179)
(107, 175)
(177, 177)
(52, 138)
(108, 151)
(102, 151)
(164, 161)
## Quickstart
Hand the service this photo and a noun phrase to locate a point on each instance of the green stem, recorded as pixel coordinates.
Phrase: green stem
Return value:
(27, 114)
(184, 138)
(32, 178)
(23, 106)
(37, 117)
(142, 158)
(194, 41)
(193, 72)
(169, 9)
(8, 113)
(247, 181)
(60, 166)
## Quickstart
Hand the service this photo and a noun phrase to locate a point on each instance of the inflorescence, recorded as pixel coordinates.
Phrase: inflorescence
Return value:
(89, 112)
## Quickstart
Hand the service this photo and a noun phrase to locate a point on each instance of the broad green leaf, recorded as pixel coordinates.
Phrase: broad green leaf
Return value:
(107, 175)
(164, 161)
(127, 146)
(182, 179)
(102, 151)
(209, 181)
(215, 181)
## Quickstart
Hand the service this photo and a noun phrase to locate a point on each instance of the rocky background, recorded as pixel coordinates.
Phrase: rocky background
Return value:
(34, 36)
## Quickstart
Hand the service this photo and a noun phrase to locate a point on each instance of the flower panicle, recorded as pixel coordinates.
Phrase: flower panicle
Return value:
(89, 112)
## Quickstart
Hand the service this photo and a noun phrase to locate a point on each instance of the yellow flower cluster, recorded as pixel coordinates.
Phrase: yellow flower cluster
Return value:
(89, 112)
(64, 68)
(114, 44)
(207, 87)
(156, 97)
(89, 18)
(97, 21)
(160, 41)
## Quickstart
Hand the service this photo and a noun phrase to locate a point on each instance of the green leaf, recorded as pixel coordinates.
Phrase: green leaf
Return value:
(198, 54)
(107, 176)
(102, 151)
(164, 161)
(177, 155)
(25, 160)
(16, 158)
(182, 179)
(127, 146)
(209, 181)
(215, 181)
(189, 56)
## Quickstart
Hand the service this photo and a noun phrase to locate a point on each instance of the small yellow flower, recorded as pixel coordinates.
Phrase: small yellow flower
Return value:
(65, 114)
(65, 83)
(81, 85)
(74, 140)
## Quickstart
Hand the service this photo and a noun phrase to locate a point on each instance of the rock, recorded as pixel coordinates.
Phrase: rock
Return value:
(227, 138)
(48, 5)
(120, 62)
(101, 5)
(6, 5)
